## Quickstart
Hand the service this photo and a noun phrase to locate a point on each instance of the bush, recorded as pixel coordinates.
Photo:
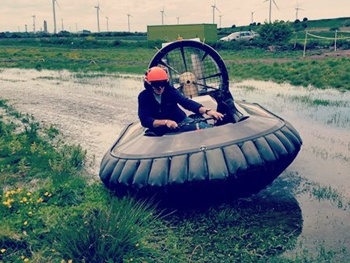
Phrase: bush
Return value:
(278, 32)
(346, 23)
(334, 28)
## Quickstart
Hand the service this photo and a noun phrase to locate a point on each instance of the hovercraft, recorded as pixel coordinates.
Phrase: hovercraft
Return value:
(236, 157)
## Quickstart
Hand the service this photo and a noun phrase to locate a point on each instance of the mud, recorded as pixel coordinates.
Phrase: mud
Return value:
(91, 109)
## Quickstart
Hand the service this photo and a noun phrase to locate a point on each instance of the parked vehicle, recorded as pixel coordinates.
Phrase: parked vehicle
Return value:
(243, 35)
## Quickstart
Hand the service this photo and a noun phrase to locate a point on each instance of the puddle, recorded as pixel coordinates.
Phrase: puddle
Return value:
(90, 109)
(324, 159)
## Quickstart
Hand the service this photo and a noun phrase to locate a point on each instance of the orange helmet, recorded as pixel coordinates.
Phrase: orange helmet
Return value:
(156, 74)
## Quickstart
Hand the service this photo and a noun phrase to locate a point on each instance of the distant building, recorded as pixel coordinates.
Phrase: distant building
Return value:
(205, 32)
(45, 26)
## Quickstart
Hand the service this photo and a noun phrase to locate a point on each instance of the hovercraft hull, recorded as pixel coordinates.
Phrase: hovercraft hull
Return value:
(231, 160)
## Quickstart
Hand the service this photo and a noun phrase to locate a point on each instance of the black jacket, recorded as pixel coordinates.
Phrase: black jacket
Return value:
(150, 110)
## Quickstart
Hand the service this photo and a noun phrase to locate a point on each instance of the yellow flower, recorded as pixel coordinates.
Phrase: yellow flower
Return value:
(26, 259)
(29, 193)
(25, 223)
(40, 200)
(30, 213)
(8, 202)
(3, 250)
(46, 193)
(70, 261)
(24, 199)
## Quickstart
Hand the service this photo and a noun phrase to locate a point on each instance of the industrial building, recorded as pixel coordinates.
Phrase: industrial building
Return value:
(205, 32)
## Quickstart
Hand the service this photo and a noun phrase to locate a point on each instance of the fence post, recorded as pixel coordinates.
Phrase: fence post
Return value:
(305, 44)
(335, 40)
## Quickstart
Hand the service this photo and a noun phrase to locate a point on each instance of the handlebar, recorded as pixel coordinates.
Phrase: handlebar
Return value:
(195, 121)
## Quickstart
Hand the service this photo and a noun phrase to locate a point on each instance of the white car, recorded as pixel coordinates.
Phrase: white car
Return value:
(243, 35)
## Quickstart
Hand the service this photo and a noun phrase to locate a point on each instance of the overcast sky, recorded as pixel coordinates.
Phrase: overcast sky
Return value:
(81, 14)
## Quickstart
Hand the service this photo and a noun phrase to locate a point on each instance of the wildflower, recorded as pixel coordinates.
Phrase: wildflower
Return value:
(29, 193)
(3, 250)
(40, 200)
(8, 202)
(70, 261)
(25, 223)
(30, 213)
(46, 193)
(26, 259)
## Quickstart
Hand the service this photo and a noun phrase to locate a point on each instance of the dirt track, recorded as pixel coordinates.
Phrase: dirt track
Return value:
(87, 112)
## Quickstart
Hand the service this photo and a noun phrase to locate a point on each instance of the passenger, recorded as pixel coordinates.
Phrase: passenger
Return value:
(158, 107)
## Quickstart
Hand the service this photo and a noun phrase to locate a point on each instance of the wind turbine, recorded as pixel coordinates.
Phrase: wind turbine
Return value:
(252, 15)
(270, 8)
(296, 11)
(214, 7)
(33, 23)
(178, 19)
(129, 15)
(54, 2)
(98, 10)
(220, 16)
(163, 14)
(107, 23)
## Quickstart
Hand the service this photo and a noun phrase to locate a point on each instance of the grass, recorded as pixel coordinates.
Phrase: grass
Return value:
(242, 63)
(50, 213)
(298, 73)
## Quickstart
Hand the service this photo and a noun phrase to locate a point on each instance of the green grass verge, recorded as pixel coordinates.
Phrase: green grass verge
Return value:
(242, 62)
(327, 73)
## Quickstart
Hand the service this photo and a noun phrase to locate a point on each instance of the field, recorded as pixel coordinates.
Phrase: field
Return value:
(320, 68)
(53, 209)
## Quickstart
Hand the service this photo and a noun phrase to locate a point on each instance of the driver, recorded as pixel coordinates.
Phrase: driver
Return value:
(158, 107)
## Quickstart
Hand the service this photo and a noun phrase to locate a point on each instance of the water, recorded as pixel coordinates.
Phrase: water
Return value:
(324, 160)
(90, 110)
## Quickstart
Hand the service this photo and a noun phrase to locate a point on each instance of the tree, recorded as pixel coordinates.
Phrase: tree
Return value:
(276, 32)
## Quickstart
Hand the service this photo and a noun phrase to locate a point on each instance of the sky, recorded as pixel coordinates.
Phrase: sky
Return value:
(76, 15)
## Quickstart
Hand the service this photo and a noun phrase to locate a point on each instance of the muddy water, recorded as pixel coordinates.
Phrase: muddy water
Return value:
(91, 110)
